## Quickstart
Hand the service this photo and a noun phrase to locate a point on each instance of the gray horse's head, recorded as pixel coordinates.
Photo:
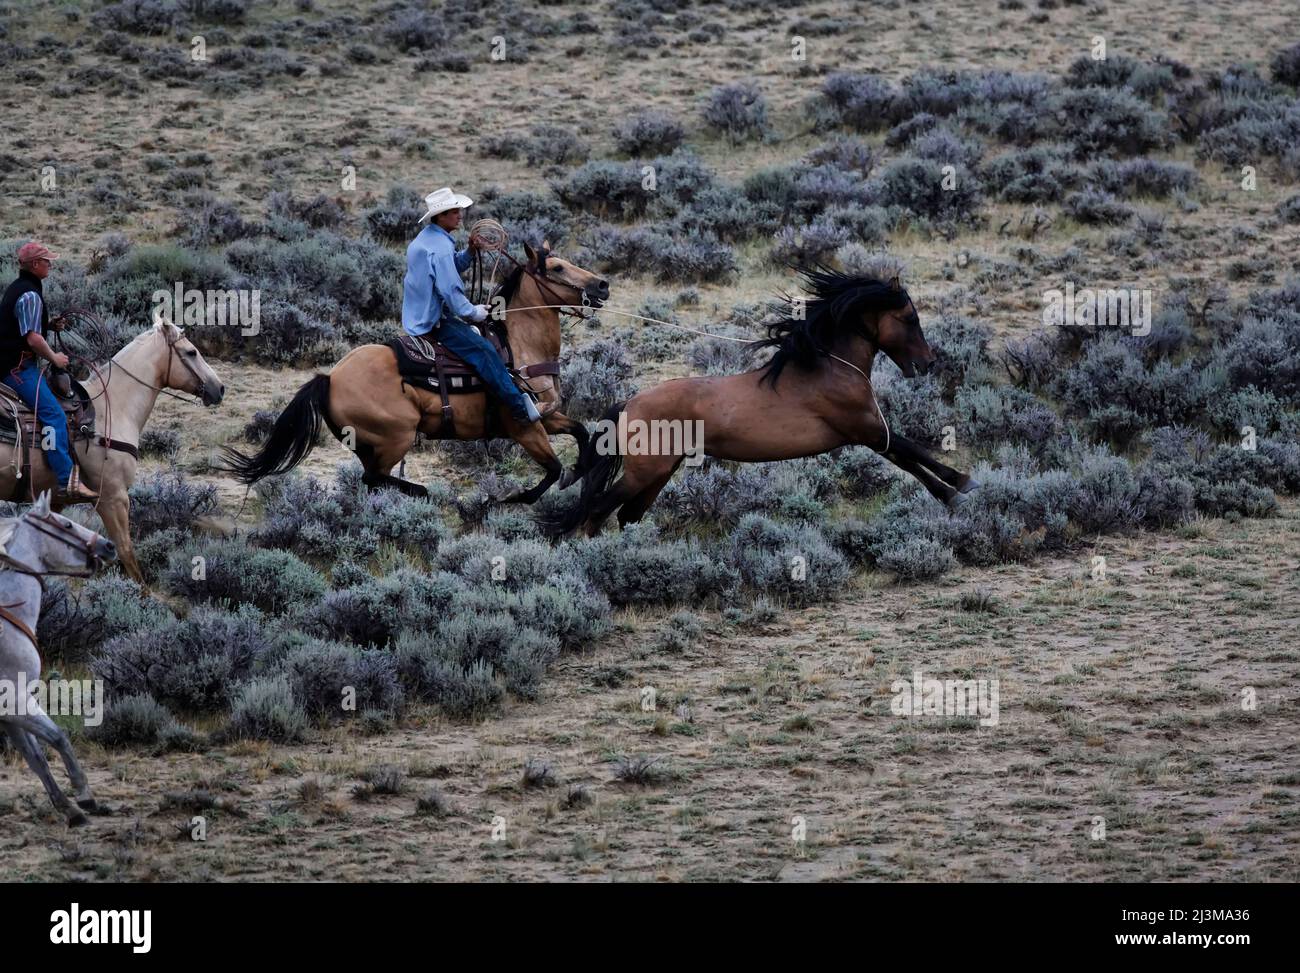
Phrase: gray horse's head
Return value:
(43, 542)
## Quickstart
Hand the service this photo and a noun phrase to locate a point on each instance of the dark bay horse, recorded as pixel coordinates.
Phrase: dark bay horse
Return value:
(814, 394)
(368, 407)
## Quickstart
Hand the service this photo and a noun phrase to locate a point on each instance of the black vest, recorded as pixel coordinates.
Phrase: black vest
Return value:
(12, 341)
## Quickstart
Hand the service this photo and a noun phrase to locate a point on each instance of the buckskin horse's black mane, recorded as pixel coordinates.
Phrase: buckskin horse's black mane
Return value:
(510, 286)
(833, 309)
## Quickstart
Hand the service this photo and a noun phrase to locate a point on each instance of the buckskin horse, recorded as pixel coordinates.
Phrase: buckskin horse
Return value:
(123, 392)
(371, 406)
(826, 401)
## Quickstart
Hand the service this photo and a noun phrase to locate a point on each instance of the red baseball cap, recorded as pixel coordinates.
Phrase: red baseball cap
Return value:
(34, 251)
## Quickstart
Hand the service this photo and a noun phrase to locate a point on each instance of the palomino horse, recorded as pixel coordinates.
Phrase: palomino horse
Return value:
(826, 401)
(368, 407)
(124, 391)
(39, 543)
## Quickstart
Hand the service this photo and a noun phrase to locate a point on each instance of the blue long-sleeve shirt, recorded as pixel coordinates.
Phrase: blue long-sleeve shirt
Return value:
(433, 287)
(28, 311)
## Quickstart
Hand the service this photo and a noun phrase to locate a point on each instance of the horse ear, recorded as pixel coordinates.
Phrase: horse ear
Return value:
(895, 284)
(546, 245)
(42, 504)
(532, 254)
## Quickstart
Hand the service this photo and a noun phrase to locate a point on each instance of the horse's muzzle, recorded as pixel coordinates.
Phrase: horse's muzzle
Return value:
(101, 551)
(212, 395)
(594, 295)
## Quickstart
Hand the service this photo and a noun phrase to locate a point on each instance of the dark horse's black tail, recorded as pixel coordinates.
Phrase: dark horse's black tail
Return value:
(291, 439)
(602, 466)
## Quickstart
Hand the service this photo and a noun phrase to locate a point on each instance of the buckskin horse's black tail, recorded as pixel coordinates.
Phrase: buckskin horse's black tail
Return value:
(291, 439)
(602, 469)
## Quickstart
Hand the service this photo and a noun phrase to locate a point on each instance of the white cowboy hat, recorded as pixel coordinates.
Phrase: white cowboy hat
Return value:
(442, 200)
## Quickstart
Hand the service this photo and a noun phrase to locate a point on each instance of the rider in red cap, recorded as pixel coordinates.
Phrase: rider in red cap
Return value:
(24, 319)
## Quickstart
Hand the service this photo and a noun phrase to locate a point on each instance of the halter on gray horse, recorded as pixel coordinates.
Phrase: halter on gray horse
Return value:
(33, 545)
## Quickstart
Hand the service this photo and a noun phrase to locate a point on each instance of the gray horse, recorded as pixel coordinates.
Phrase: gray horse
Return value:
(38, 543)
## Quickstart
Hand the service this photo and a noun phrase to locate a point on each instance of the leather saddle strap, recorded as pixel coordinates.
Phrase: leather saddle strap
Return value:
(448, 414)
(540, 368)
(118, 445)
(19, 624)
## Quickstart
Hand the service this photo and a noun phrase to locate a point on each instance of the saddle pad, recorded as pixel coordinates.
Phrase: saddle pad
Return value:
(419, 362)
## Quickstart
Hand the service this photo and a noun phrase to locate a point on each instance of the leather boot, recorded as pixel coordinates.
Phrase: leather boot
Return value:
(75, 492)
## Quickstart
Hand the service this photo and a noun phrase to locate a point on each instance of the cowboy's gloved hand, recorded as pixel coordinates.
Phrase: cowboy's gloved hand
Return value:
(481, 311)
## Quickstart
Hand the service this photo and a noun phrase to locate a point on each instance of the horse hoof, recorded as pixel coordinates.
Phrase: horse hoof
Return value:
(958, 501)
(568, 478)
(971, 486)
(88, 804)
(77, 820)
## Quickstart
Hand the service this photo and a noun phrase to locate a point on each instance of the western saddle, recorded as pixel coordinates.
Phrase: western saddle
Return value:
(430, 365)
(19, 426)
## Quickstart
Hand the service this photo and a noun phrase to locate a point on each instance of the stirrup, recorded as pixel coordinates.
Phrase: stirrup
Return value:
(542, 410)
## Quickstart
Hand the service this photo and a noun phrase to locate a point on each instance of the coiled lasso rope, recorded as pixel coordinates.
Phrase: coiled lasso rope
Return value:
(493, 239)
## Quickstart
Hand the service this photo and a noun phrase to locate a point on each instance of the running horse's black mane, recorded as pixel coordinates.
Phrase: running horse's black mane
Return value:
(834, 309)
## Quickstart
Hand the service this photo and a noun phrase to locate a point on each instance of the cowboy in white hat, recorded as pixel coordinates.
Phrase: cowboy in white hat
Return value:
(434, 298)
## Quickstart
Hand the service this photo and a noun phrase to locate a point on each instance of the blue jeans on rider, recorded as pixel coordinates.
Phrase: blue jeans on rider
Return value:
(30, 385)
(479, 354)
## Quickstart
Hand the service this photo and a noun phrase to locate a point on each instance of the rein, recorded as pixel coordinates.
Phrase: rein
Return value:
(47, 525)
(107, 440)
(498, 242)
(171, 353)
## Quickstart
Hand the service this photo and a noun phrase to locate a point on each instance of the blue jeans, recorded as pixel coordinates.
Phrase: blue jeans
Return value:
(483, 358)
(31, 388)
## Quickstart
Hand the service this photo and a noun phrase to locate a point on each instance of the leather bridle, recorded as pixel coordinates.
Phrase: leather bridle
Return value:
(171, 353)
(547, 286)
(130, 448)
(48, 524)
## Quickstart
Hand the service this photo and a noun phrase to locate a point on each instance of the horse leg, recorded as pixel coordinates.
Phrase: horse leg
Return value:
(558, 424)
(617, 495)
(636, 507)
(378, 460)
(866, 429)
(39, 725)
(114, 510)
(938, 489)
(30, 748)
(532, 436)
(919, 454)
